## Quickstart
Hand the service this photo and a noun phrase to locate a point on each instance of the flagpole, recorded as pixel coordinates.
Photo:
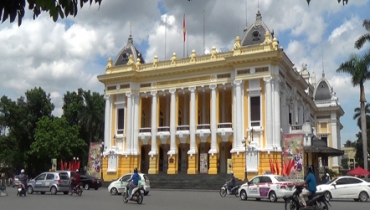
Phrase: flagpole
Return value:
(184, 32)
(204, 31)
(165, 38)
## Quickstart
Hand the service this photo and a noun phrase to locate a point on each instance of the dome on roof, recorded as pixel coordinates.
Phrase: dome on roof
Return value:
(255, 34)
(124, 54)
(323, 91)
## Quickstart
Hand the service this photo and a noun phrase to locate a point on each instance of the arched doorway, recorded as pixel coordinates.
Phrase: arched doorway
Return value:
(224, 155)
(183, 158)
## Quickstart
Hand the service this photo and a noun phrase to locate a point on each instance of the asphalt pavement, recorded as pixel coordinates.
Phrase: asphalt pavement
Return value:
(156, 200)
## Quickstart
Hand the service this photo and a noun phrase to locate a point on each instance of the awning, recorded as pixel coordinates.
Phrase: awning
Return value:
(323, 150)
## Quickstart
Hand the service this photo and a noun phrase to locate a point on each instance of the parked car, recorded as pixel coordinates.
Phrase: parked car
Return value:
(118, 186)
(52, 182)
(272, 187)
(15, 181)
(90, 182)
(346, 187)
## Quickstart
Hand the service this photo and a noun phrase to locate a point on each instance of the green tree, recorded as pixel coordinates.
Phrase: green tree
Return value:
(92, 115)
(57, 8)
(365, 37)
(56, 138)
(358, 68)
(350, 143)
(73, 106)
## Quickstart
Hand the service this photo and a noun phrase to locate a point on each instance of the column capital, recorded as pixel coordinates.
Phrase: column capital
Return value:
(153, 93)
(106, 97)
(192, 89)
(172, 91)
(267, 79)
(212, 87)
(128, 94)
(237, 82)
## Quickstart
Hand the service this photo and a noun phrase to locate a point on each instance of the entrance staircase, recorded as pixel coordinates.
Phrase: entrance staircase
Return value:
(189, 181)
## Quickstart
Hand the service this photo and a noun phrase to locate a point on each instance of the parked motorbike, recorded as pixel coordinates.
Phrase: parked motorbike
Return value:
(21, 190)
(225, 190)
(316, 201)
(76, 189)
(138, 194)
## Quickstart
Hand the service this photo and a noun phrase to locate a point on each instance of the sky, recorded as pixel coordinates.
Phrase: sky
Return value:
(69, 54)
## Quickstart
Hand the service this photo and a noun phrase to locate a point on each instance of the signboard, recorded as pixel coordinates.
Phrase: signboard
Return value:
(203, 161)
(293, 155)
(229, 166)
(95, 158)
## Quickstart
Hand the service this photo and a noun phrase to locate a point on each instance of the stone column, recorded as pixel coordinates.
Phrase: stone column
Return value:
(172, 159)
(276, 112)
(192, 159)
(107, 121)
(153, 153)
(185, 115)
(268, 100)
(238, 122)
(213, 151)
(135, 121)
(128, 124)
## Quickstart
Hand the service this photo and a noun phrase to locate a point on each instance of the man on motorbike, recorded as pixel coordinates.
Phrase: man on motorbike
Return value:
(23, 179)
(75, 180)
(231, 182)
(310, 182)
(134, 182)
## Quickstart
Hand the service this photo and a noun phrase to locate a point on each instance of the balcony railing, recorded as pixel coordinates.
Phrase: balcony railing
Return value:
(296, 127)
(183, 128)
(203, 126)
(164, 129)
(224, 125)
(145, 130)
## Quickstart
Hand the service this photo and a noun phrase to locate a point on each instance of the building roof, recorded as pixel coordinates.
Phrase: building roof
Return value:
(123, 56)
(323, 90)
(324, 150)
(255, 34)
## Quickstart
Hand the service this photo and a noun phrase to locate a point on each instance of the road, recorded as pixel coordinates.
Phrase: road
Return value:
(156, 200)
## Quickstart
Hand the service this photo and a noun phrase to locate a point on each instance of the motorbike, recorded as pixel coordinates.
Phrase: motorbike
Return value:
(76, 189)
(21, 190)
(138, 194)
(317, 201)
(226, 191)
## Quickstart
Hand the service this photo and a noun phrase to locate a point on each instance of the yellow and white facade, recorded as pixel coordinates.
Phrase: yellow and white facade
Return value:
(160, 116)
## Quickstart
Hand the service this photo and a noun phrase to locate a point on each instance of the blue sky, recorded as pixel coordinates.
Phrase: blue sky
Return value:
(70, 53)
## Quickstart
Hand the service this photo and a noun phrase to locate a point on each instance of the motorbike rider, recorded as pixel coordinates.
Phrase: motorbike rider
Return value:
(134, 182)
(75, 180)
(231, 182)
(23, 179)
(310, 182)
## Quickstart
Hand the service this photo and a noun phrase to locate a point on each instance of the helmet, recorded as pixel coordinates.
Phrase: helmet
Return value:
(22, 171)
(77, 170)
(327, 174)
(135, 170)
(231, 172)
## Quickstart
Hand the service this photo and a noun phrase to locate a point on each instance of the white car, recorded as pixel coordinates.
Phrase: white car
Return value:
(270, 187)
(118, 186)
(346, 187)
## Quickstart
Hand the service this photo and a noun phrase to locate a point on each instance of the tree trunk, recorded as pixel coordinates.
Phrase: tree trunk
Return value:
(363, 126)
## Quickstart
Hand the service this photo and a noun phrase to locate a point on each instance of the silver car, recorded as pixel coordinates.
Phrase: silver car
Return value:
(52, 182)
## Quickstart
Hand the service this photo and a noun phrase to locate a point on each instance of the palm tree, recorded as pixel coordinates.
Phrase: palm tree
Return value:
(365, 37)
(358, 114)
(359, 69)
(92, 115)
